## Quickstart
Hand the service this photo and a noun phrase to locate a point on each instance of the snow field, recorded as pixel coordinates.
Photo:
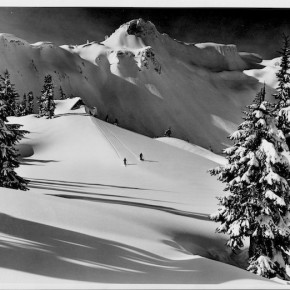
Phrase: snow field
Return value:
(89, 220)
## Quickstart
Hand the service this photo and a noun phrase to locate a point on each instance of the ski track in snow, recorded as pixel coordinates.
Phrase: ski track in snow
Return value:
(120, 148)
(101, 129)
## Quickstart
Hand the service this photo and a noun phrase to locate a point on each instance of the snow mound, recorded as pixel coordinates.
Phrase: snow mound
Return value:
(181, 144)
(66, 106)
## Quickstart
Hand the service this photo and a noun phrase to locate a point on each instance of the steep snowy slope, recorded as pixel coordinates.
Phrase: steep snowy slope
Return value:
(160, 82)
(89, 222)
(145, 79)
(29, 63)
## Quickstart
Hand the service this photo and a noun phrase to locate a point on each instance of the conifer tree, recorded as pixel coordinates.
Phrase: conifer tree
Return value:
(9, 94)
(46, 102)
(283, 76)
(17, 110)
(24, 102)
(22, 107)
(283, 89)
(62, 94)
(10, 134)
(41, 107)
(258, 203)
(30, 104)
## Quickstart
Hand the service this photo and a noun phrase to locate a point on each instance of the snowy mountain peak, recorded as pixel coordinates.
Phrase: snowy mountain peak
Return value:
(141, 28)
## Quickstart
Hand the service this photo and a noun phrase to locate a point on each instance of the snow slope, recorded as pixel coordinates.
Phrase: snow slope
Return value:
(184, 145)
(160, 82)
(145, 79)
(29, 63)
(90, 222)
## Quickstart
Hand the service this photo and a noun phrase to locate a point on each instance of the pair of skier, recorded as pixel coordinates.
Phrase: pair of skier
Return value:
(140, 156)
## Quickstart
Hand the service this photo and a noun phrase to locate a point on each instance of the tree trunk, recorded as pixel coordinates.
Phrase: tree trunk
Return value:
(255, 246)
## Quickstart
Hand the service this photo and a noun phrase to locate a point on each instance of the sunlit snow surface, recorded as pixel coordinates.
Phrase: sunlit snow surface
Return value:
(89, 220)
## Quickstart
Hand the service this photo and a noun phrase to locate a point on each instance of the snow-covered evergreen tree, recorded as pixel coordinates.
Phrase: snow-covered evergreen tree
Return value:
(45, 101)
(30, 104)
(17, 110)
(41, 108)
(257, 177)
(22, 107)
(9, 94)
(24, 102)
(10, 134)
(283, 89)
(283, 76)
(62, 94)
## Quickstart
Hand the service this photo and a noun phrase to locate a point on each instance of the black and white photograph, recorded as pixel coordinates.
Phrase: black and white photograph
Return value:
(144, 147)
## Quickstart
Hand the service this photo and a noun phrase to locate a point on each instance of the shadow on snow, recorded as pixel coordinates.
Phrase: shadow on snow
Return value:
(56, 252)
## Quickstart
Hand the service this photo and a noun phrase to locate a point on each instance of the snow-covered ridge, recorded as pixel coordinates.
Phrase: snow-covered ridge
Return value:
(138, 33)
(147, 80)
(40, 43)
(229, 49)
(267, 74)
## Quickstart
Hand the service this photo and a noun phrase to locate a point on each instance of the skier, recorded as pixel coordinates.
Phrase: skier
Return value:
(168, 132)
(141, 157)
(107, 118)
(125, 161)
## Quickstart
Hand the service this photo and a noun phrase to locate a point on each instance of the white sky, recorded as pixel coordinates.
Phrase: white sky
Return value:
(151, 3)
